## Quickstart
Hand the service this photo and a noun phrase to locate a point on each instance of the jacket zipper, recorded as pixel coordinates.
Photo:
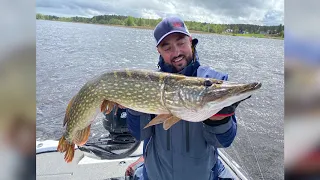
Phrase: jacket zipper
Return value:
(187, 137)
(168, 140)
(148, 145)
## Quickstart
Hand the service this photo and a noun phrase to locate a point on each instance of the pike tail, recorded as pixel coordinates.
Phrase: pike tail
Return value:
(81, 137)
(64, 146)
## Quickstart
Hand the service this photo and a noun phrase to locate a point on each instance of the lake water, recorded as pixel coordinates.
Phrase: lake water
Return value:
(69, 54)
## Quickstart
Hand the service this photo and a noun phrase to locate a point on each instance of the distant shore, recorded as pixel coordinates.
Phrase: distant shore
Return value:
(191, 31)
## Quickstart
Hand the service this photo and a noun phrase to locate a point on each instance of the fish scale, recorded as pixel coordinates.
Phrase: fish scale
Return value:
(137, 92)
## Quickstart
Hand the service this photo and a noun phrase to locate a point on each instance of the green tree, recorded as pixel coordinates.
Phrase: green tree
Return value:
(39, 16)
(235, 29)
(114, 21)
(130, 21)
(282, 34)
(279, 28)
(219, 28)
(102, 21)
(141, 22)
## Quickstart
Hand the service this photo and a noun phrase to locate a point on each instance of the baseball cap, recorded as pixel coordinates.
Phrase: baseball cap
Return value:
(168, 26)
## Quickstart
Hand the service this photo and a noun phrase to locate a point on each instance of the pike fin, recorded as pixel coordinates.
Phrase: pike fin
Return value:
(82, 136)
(64, 146)
(66, 117)
(170, 122)
(104, 106)
(107, 106)
(158, 120)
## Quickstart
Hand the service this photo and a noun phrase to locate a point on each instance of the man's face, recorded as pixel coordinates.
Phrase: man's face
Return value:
(176, 50)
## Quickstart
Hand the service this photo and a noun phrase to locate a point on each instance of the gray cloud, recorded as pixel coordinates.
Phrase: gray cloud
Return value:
(214, 11)
(233, 9)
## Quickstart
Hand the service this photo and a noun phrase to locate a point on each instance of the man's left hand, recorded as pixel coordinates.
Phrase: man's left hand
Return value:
(217, 118)
(226, 111)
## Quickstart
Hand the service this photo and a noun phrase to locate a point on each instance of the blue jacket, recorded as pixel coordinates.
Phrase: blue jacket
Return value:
(187, 150)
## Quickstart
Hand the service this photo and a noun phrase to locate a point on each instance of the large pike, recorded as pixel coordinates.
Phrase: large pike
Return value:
(171, 96)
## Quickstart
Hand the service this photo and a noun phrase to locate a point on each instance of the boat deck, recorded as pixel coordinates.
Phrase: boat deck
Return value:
(51, 165)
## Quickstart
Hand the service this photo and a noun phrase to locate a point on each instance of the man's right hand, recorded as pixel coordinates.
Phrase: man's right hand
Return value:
(132, 167)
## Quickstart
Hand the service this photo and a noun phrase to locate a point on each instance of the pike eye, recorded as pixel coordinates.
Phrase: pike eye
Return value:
(207, 83)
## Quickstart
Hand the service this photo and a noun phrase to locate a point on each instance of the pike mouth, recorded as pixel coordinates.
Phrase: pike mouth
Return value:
(242, 88)
(228, 95)
(253, 86)
(248, 88)
(241, 91)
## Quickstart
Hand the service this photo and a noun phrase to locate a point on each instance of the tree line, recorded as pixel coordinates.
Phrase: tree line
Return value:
(151, 23)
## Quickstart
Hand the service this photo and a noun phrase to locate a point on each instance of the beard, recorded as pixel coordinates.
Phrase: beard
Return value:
(180, 62)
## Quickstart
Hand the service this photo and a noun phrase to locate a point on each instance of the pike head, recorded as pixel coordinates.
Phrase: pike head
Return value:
(197, 99)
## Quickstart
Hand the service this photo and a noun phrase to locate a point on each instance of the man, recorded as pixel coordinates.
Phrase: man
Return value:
(187, 150)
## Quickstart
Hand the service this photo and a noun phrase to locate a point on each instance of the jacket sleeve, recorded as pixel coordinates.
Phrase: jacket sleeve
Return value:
(221, 136)
(136, 121)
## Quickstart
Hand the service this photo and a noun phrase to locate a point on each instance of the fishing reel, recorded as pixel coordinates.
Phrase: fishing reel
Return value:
(120, 143)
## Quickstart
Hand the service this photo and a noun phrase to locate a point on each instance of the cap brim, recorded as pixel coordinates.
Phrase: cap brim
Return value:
(174, 31)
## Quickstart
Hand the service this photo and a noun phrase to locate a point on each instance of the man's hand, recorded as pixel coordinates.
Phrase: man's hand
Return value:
(132, 167)
(226, 112)
(217, 118)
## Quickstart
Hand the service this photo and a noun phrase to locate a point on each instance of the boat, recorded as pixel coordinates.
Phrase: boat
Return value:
(87, 165)
(105, 159)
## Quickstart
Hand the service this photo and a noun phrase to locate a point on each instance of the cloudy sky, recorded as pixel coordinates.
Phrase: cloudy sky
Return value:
(261, 12)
